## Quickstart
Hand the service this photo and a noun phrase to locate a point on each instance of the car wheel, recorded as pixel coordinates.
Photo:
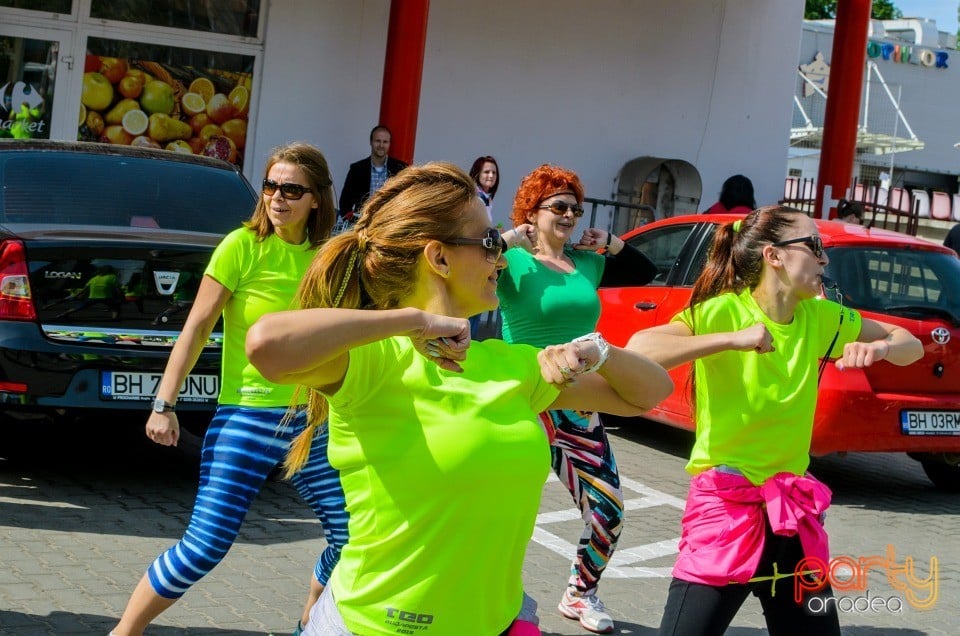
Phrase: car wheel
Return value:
(943, 469)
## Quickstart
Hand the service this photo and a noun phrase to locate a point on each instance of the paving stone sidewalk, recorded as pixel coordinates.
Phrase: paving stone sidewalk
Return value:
(82, 513)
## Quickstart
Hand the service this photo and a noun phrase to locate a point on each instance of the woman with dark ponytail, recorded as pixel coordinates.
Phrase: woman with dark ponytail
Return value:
(440, 453)
(756, 329)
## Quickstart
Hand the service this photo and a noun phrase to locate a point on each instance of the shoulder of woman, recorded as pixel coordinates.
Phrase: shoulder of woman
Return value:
(240, 233)
(721, 303)
(583, 256)
(236, 240)
(242, 236)
(518, 255)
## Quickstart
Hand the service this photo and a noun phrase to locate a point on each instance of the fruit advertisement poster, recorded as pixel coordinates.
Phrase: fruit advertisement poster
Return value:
(182, 109)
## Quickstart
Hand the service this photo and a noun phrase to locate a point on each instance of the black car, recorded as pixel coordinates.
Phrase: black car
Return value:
(102, 248)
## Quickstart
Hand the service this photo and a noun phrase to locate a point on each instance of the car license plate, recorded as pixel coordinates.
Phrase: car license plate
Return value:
(930, 422)
(141, 387)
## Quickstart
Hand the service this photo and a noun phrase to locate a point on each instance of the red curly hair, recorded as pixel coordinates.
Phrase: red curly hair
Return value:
(543, 183)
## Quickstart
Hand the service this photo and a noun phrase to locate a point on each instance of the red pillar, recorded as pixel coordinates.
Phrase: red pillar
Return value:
(402, 72)
(843, 103)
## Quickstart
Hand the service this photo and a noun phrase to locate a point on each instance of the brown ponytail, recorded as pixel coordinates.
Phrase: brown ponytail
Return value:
(326, 276)
(735, 257)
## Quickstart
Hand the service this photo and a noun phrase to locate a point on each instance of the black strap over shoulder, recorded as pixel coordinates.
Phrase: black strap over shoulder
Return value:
(627, 269)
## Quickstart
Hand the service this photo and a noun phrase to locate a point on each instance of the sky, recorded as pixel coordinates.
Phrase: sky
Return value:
(944, 12)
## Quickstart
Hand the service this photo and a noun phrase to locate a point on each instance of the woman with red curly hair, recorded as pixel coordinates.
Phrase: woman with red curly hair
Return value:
(548, 295)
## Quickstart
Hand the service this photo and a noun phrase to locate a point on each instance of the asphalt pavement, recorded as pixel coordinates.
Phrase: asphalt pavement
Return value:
(85, 508)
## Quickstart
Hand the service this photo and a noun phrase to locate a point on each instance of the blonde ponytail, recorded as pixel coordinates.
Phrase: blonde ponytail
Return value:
(331, 280)
(373, 266)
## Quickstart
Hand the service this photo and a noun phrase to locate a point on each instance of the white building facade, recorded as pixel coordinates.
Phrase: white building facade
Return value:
(908, 126)
(592, 86)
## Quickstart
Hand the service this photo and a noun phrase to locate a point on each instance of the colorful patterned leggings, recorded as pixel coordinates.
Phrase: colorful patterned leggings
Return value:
(584, 462)
(241, 447)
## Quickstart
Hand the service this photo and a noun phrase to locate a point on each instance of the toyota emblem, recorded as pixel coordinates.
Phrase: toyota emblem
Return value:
(940, 335)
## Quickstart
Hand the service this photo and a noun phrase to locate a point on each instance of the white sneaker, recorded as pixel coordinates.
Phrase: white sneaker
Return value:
(588, 609)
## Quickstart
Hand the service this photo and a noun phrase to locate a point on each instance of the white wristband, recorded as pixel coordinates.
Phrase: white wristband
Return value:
(602, 345)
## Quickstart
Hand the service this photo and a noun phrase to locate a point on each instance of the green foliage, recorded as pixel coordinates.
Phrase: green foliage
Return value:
(820, 9)
(885, 10)
(827, 9)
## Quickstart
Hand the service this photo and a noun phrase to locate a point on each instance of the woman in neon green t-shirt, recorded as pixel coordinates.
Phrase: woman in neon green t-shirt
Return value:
(436, 438)
(757, 329)
(255, 269)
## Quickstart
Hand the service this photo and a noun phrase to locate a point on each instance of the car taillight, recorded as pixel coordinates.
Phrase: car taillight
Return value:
(16, 302)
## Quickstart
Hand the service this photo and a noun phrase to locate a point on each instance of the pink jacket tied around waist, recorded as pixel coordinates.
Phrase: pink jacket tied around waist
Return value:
(725, 522)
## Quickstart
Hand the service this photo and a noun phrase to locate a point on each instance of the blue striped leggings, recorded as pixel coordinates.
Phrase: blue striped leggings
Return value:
(241, 447)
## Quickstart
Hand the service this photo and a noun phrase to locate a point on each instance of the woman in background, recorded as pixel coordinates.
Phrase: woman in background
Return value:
(486, 174)
(736, 197)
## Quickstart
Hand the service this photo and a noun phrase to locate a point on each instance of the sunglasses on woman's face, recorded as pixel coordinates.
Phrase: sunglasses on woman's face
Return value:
(491, 242)
(814, 243)
(289, 191)
(560, 208)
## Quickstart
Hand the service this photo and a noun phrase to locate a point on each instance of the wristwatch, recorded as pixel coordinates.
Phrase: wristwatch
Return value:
(162, 406)
(602, 346)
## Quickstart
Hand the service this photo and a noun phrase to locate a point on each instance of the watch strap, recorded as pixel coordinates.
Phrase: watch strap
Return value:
(602, 346)
(162, 406)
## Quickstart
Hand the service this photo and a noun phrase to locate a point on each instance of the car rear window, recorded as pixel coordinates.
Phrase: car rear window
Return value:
(906, 282)
(65, 188)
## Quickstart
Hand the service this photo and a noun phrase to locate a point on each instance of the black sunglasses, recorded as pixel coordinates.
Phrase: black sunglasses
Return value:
(289, 191)
(560, 208)
(491, 242)
(814, 243)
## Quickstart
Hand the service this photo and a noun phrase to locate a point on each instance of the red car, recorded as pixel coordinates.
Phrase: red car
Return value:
(887, 276)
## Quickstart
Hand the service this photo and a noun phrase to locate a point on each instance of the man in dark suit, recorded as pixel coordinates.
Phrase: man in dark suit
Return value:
(368, 175)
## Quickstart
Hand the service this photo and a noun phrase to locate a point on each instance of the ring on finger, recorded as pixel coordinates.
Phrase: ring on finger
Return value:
(565, 370)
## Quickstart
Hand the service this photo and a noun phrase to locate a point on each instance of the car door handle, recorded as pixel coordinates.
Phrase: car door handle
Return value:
(645, 305)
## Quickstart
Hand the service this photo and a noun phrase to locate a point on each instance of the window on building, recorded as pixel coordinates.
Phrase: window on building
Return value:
(869, 174)
(228, 17)
(29, 67)
(53, 6)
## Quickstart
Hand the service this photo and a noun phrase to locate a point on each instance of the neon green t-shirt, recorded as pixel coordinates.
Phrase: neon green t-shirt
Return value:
(755, 411)
(263, 277)
(442, 474)
(541, 306)
(102, 286)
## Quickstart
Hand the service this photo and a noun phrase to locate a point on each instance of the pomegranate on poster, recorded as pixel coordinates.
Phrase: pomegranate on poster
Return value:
(221, 147)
